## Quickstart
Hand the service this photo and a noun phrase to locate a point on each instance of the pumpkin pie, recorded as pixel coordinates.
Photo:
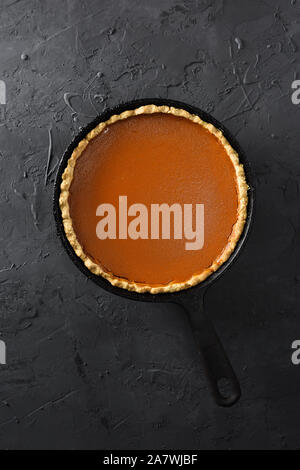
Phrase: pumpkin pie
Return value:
(145, 158)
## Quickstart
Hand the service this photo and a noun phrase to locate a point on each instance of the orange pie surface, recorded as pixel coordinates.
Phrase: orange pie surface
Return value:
(153, 159)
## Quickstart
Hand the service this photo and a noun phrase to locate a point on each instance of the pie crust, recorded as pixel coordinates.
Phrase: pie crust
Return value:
(172, 286)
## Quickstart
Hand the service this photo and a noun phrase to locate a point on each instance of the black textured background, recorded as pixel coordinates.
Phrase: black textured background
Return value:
(90, 370)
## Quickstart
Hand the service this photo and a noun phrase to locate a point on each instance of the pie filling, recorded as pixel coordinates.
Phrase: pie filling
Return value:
(153, 156)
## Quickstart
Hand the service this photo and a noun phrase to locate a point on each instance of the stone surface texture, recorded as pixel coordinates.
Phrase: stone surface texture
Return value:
(86, 369)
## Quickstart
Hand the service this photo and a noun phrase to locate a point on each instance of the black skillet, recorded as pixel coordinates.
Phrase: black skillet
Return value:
(217, 366)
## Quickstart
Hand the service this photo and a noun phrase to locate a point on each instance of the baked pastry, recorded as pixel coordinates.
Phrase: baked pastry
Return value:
(145, 158)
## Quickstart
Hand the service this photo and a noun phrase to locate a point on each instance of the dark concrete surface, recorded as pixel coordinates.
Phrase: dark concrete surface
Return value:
(89, 370)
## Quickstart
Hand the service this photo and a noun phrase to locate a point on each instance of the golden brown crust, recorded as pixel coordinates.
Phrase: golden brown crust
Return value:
(173, 286)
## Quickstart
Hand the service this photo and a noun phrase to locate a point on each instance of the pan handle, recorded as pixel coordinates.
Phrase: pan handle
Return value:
(223, 381)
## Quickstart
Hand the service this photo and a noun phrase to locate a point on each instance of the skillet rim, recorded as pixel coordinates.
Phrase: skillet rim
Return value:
(99, 280)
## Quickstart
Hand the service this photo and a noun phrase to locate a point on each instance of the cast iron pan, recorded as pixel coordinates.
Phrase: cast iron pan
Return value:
(217, 366)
